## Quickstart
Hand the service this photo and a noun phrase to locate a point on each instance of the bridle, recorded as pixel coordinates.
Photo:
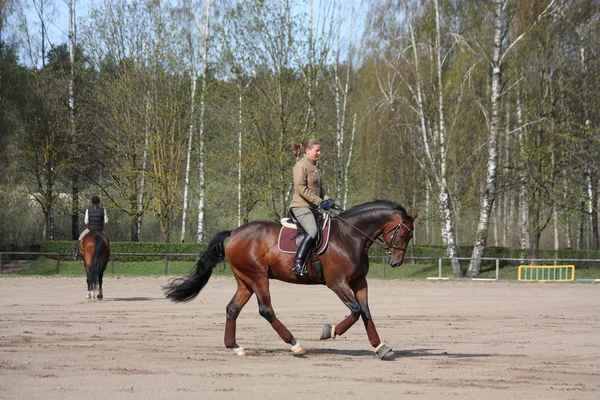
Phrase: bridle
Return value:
(386, 246)
(396, 229)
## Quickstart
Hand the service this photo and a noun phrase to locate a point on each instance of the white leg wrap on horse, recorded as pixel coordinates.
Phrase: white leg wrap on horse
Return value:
(378, 347)
(298, 350)
(333, 331)
(239, 351)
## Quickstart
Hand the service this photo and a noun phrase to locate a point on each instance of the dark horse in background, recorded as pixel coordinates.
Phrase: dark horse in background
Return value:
(254, 256)
(94, 250)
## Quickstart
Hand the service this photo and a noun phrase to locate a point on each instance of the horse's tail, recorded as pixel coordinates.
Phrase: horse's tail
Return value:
(187, 288)
(97, 258)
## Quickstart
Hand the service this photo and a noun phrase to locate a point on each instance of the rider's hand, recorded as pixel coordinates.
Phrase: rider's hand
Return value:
(327, 204)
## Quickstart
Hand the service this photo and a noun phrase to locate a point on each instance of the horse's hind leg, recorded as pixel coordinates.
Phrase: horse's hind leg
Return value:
(265, 309)
(100, 294)
(90, 284)
(239, 300)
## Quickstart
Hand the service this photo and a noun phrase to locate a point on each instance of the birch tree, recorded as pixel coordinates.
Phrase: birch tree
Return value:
(489, 196)
(197, 35)
(73, 131)
(414, 79)
(201, 187)
(341, 89)
(496, 61)
(126, 46)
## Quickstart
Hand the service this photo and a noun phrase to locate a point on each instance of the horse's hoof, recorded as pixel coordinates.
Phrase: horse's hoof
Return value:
(239, 351)
(99, 297)
(384, 352)
(87, 296)
(298, 350)
(328, 332)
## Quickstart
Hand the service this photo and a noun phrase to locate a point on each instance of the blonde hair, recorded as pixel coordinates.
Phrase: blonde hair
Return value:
(298, 149)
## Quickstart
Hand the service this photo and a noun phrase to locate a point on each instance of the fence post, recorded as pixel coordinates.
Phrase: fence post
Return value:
(0, 263)
(497, 268)
(440, 267)
(58, 264)
(112, 263)
(166, 264)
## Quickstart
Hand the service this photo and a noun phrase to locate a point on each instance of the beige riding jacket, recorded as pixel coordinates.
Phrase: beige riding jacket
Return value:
(308, 190)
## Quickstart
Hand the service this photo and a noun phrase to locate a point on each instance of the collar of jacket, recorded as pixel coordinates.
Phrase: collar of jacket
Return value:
(314, 162)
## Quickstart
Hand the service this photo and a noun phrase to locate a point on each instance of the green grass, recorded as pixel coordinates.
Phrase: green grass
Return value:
(378, 269)
(47, 267)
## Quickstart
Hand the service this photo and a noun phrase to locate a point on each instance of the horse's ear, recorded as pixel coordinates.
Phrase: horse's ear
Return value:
(414, 215)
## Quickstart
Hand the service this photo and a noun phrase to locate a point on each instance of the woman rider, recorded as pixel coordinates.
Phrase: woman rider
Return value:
(95, 218)
(308, 196)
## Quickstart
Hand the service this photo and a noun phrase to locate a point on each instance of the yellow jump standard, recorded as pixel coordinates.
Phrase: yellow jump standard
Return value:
(544, 273)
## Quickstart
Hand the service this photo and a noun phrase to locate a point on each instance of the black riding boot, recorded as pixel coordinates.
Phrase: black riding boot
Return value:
(302, 254)
(76, 252)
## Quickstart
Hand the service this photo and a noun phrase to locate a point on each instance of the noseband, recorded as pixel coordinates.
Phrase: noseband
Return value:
(392, 244)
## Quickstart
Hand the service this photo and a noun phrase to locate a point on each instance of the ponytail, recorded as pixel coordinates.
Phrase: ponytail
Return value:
(298, 149)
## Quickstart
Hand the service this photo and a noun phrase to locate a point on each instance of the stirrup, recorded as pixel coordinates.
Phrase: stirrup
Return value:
(300, 270)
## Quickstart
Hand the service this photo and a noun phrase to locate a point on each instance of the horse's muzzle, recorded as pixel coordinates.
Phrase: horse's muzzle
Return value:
(394, 262)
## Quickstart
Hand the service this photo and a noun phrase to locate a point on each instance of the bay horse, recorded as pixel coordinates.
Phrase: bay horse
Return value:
(253, 254)
(94, 250)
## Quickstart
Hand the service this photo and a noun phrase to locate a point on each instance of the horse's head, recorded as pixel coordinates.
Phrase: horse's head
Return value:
(397, 235)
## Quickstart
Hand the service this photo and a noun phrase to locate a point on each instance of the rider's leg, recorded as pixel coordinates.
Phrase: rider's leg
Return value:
(306, 218)
(76, 252)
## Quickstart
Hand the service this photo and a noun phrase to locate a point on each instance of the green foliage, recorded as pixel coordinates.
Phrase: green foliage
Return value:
(379, 269)
(132, 251)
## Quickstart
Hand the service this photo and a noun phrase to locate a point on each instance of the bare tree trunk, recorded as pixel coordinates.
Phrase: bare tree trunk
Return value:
(188, 158)
(240, 147)
(74, 175)
(523, 215)
(239, 166)
(507, 195)
(489, 195)
(140, 200)
(201, 188)
(427, 215)
(554, 210)
(310, 66)
(444, 192)
(347, 167)
(341, 112)
(591, 209)
(568, 234)
(580, 225)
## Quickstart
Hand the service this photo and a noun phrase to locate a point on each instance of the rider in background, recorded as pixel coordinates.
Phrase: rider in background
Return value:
(95, 218)
(308, 196)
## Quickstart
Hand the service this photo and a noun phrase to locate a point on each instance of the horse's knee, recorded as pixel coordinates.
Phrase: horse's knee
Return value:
(266, 313)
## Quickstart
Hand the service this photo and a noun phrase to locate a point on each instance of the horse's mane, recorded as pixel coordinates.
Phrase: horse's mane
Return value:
(372, 206)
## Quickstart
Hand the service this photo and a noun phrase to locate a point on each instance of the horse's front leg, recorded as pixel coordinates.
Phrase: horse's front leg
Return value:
(345, 293)
(355, 299)
(361, 291)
